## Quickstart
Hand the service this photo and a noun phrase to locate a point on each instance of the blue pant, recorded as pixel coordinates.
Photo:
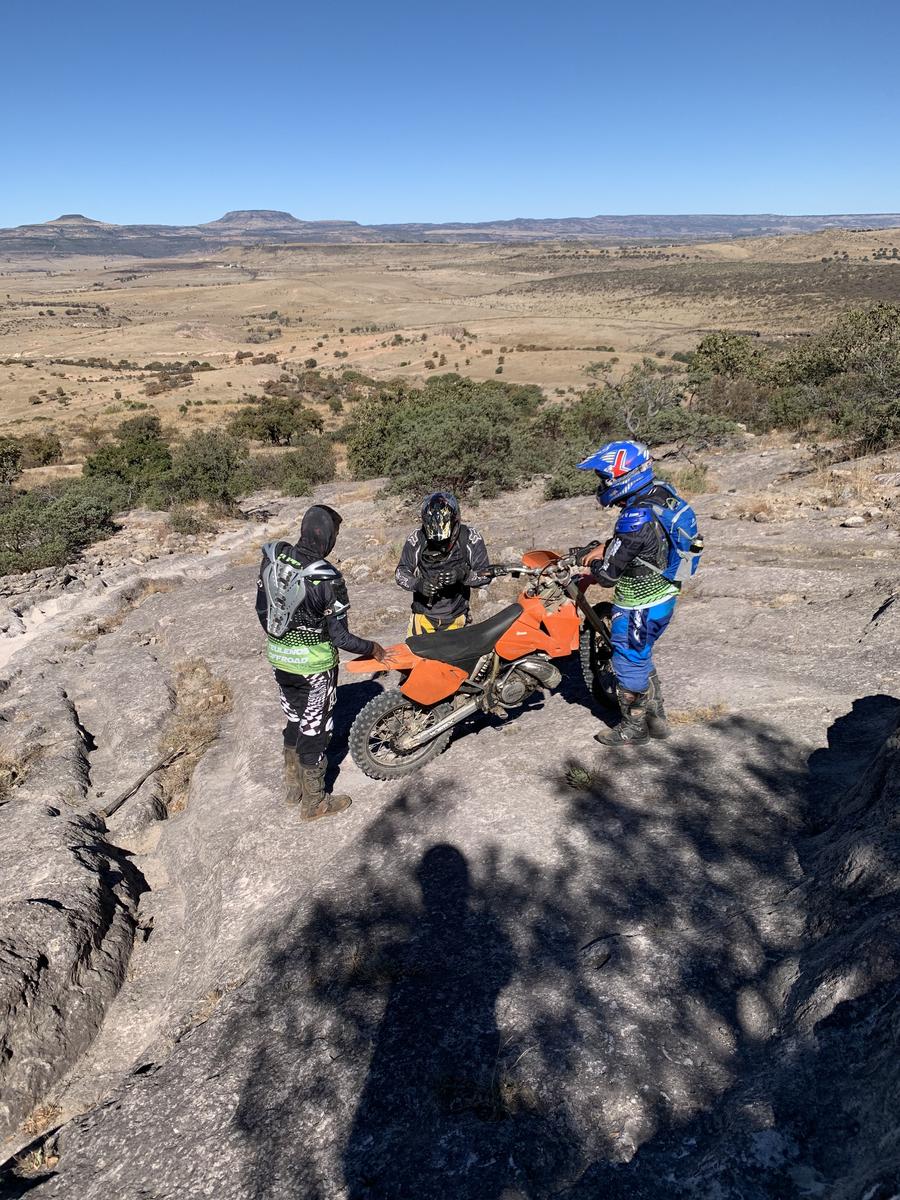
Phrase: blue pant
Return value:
(634, 632)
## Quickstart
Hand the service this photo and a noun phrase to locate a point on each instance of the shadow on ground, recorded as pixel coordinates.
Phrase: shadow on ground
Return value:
(670, 989)
(485, 1026)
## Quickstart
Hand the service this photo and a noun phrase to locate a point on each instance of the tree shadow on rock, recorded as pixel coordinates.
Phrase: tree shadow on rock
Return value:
(803, 1114)
(435, 1023)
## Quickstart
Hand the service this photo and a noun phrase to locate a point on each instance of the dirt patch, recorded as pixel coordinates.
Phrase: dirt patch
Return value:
(13, 771)
(200, 701)
(41, 1119)
(703, 715)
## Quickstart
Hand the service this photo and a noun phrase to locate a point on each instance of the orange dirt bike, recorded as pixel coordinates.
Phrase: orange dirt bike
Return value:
(485, 668)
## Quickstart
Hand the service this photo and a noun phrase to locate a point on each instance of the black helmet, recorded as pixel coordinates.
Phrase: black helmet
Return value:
(440, 520)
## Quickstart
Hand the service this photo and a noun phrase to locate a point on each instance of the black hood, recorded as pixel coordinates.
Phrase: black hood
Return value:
(319, 530)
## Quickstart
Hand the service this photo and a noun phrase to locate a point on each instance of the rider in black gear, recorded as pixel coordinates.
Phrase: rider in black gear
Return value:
(440, 564)
(305, 661)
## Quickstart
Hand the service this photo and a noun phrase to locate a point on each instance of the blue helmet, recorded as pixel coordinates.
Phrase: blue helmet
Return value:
(623, 468)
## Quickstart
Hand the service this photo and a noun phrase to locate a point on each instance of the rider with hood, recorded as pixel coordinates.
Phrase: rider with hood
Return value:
(305, 660)
(632, 562)
(441, 562)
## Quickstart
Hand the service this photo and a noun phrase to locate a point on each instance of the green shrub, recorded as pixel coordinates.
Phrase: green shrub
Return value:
(843, 380)
(453, 433)
(869, 416)
(205, 467)
(278, 420)
(798, 407)
(10, 461)
(49, 526)
(730, 355)
(295, 473)
(137, 463)
(565, 436)
(41, 449)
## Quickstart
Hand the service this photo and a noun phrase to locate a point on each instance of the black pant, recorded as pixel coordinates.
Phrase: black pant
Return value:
(308, 703)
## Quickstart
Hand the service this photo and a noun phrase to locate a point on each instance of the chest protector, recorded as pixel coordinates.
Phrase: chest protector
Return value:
(285, 583)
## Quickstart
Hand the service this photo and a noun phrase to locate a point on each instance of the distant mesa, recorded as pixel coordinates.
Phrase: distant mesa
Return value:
(255, 217)
(74, 219)
(271, 219)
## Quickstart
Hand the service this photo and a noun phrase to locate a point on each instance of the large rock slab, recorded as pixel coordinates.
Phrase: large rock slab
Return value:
(487, 981)
(67, 920)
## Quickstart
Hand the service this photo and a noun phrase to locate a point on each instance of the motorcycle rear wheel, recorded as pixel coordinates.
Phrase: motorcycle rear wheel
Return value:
(384, 719)
(596, 667)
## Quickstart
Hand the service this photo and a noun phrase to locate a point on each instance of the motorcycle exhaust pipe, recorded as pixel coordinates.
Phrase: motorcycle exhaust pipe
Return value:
(543, 671)
(433, 731)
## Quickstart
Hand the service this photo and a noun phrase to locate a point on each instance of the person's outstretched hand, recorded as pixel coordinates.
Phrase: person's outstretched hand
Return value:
(593, 555)
(379, 653)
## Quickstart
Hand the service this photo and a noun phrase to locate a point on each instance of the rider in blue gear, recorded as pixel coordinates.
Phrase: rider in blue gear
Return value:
(632, 562)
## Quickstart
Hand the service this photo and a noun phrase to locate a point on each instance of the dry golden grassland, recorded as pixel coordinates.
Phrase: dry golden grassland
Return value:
(555, 315)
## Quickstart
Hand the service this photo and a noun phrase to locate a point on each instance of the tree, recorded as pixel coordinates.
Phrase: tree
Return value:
(138, 461)
(10, 462)
(729, 354)
(205, 465)
(278, 420)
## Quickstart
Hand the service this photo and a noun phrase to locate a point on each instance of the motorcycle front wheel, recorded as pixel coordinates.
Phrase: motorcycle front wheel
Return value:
(379, 726)
(595, 658)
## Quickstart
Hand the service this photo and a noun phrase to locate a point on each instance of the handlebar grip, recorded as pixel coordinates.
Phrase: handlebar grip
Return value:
(578, 552)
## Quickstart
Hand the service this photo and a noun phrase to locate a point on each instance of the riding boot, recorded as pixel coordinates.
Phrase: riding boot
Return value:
(632, 728)
(316, 801)
(293, 781)
(657, 725)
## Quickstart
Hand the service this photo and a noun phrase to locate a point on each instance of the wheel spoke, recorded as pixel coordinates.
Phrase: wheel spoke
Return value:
(384, 734)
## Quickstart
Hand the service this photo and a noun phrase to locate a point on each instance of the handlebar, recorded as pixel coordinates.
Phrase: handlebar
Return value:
(562, 565)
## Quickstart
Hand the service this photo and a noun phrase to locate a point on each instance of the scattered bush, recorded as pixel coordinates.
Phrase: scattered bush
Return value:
(52, 525)
(453, 433)
(137, 463)
(278, 420)
(190, 521)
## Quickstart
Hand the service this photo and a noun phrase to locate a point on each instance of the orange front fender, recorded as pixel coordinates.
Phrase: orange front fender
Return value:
(538, 559)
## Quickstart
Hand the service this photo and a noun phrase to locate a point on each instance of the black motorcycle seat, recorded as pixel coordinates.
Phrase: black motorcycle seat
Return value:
(463, 647)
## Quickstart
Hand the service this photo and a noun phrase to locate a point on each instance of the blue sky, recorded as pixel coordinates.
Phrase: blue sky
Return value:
(175, 112)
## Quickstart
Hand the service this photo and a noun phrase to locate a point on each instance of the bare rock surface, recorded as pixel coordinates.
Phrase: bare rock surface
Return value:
(68, 901)
(530, 969)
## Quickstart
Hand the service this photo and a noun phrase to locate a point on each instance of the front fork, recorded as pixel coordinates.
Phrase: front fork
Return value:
(576, 595)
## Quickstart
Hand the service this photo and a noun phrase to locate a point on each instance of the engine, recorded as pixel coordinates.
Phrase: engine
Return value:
(524, 677)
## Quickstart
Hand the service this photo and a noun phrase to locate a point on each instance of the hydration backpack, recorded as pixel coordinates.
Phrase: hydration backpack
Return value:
(679, 523)
(284, 582)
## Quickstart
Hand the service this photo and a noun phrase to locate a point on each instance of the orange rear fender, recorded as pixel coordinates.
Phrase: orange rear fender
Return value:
(400, 658)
